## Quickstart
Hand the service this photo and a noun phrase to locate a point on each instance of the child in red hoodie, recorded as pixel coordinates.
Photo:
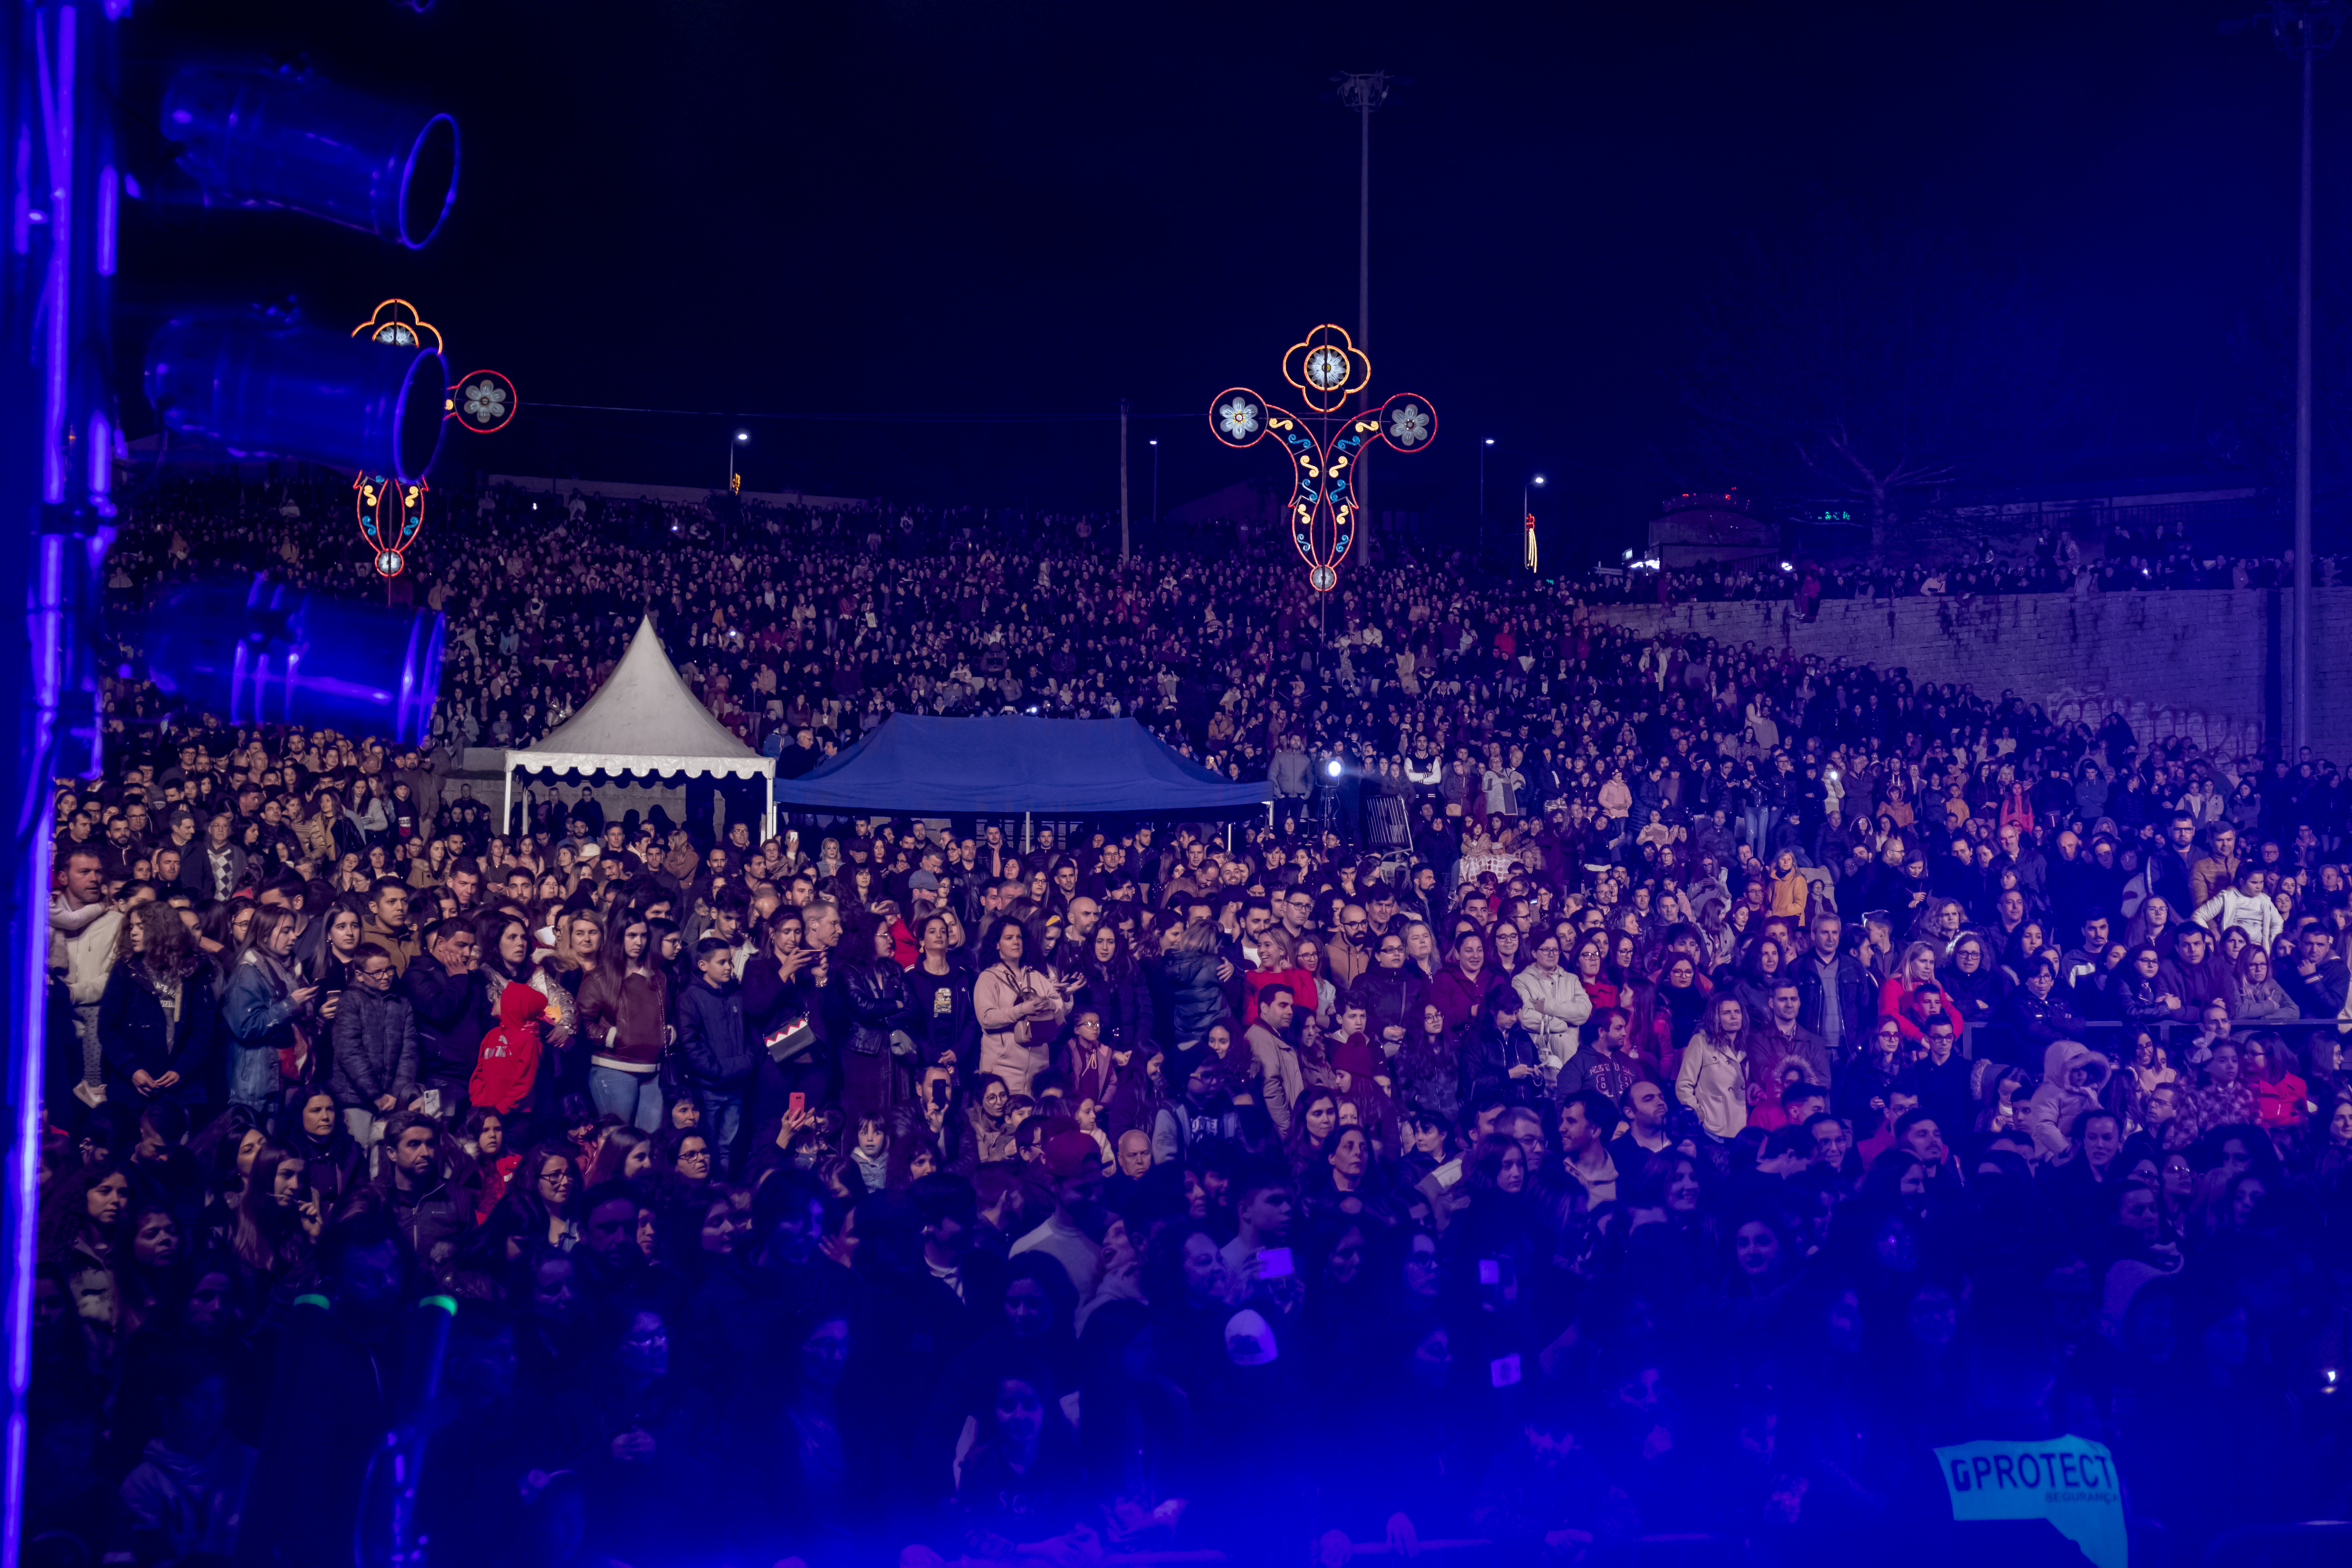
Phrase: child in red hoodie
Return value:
(510, 1056)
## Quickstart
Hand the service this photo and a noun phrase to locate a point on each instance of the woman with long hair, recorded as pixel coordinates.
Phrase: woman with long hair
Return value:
(539, 1208)
(1313, 1122)
(277, 1216)
(625, 1153)
(1428, 1069)
(623, 1019)
(157, 1023)
(264, 1002)
(872, 1078)
(83, 1214)
(341, 943)
(1115, 989)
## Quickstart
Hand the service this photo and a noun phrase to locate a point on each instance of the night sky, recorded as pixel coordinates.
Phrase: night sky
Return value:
(1006, 216)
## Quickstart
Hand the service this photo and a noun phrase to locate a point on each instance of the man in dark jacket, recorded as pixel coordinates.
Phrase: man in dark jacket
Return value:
(2318, 979)
(712, 1044)
(1839, 1001)
(374, 1047)
(416, 1192)
(453, 1012)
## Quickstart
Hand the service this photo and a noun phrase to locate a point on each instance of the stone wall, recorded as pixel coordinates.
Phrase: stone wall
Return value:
(2205, 664)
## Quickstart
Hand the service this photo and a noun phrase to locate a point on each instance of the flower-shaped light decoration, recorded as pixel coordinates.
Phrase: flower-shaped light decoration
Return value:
(485, 402)
(1327, 447)
(396, 322)
(1326, 367)
(482, 402)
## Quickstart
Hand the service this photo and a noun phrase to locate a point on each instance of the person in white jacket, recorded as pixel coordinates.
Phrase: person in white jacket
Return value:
(1554, 1005)
(1713, 1078)
(2245, 906)
(83, 927)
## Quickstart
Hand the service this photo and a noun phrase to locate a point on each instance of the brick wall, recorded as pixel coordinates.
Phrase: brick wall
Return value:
(2201, 663)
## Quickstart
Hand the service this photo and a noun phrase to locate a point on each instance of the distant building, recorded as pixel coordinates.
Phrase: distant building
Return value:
(1699, 528)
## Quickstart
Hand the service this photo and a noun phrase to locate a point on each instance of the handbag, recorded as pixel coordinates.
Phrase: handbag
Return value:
(792, 1039)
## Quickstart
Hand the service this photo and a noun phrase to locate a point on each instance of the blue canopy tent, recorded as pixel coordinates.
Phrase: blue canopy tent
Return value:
(997, 766)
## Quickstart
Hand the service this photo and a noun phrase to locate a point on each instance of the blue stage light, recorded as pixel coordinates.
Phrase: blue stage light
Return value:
(258, 652)
(298, 392)
(258, 138)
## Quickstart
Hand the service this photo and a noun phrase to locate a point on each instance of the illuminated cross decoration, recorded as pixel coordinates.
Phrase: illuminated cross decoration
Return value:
(1326, 446)
(391, 512)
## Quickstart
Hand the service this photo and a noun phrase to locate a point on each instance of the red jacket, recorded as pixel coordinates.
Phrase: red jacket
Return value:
(510, 1056)
(2279, 1104)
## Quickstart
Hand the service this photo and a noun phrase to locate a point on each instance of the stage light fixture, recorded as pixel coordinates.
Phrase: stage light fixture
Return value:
(258, 652)
(256, 386)
(259, 138)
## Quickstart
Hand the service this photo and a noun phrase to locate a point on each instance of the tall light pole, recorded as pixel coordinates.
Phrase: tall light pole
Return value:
(1155, 485)
(1364, 91)
(2305, 29)
(1535, 482)
(1482, 482)
(1122, 482)
(741, 437)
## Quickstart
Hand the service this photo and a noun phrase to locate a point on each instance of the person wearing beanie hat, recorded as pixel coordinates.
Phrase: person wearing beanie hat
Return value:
(1072, 1235)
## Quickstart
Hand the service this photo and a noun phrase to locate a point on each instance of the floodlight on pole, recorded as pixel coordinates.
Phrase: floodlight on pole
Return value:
(734, 485)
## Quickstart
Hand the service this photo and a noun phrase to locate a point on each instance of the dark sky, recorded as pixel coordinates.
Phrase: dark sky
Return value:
(976, 209)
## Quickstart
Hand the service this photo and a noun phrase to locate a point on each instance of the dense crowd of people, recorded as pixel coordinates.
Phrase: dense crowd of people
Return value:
(1650, 1090)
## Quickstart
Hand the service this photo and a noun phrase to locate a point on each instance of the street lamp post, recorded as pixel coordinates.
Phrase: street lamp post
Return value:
(1155, 486)
(2305, 29)
(1482, 482)
(741, 437)
(1364, 91)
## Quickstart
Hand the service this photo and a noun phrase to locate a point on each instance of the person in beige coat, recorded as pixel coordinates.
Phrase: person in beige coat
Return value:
(1020, 1008)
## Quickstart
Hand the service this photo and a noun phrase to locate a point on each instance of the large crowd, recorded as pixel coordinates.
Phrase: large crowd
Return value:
(1647, 1092)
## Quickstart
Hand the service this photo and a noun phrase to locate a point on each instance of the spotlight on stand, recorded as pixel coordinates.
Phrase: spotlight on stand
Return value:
(1331, 768)
(297, 392)
(258, 652)
(259, 138)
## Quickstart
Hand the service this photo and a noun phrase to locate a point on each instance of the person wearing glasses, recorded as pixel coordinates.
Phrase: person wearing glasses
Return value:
(374, 1048)
(1392, 991)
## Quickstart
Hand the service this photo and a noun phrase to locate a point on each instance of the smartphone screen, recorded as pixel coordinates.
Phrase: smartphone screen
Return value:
(1274, 1263)
(797, 1104)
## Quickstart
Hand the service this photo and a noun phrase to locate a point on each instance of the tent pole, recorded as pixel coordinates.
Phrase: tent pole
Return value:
(1025, 833)
(769, 831)
(506, 806)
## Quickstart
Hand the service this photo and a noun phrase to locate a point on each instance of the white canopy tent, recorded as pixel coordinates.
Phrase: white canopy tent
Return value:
(644, 719)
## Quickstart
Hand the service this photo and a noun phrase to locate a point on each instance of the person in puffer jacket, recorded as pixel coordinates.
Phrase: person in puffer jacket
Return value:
(2072, 1074)
(508, 1062)
(375, 1047)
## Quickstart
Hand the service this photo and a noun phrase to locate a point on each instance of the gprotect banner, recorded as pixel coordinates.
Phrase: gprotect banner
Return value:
(2070, 1481)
